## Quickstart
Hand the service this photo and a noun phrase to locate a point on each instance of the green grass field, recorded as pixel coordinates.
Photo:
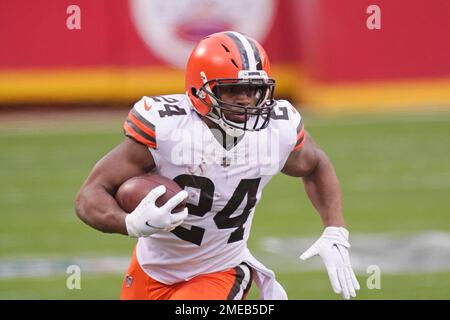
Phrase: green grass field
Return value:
(394, 171)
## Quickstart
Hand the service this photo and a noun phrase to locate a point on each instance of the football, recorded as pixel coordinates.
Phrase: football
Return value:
(132, 191)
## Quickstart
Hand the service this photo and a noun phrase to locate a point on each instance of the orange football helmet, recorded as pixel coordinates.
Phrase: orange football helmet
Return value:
(230, 61)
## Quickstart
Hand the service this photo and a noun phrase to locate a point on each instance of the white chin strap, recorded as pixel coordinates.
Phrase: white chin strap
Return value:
(214, 116)
(229, 130)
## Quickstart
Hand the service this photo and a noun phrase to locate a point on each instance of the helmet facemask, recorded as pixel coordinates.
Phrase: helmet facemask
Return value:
(254, 117)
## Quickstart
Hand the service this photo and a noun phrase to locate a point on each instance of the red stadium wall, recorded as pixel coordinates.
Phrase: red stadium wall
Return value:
(321, 51)
(406, 63)
(34, 34)
(108, 58)
(414, 40)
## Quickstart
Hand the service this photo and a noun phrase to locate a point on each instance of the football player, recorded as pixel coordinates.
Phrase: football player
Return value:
(221, 141)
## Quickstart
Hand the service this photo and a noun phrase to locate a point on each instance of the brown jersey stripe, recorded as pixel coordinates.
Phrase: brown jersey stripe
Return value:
(300, 134)
(141, 126)
(300, 126)
(237, 283)
(300, 143)
(140, 132)
(300, 140)
(241, 48)
(130, 132)
(256, 53)
(249, 284)
(144, 121)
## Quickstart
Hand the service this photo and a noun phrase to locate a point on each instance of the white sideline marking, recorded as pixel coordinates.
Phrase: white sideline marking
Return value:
(436, 181)
(419, 253)
(424, 252)
(394, 118)
(14, 268)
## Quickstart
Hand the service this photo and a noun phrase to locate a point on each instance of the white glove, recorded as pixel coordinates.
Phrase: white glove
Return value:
(333, 247)
(148, 218)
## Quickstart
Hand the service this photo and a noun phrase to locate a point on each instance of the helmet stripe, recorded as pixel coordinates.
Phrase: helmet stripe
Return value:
(241, 48)
(246, 50)
(256, 53)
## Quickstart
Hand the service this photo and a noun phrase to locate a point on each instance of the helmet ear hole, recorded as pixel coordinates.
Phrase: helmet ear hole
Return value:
(194, 92)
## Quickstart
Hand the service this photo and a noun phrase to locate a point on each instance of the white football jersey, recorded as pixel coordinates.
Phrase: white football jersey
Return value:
(224, 186)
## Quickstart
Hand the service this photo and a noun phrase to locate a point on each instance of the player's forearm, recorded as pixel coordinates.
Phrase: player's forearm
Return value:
(98, 209)
(322, 187)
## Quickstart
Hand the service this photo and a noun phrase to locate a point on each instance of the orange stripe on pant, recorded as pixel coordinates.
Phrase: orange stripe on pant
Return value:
(137, 285)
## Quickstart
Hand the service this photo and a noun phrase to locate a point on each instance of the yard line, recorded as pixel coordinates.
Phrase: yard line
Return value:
(17, 268)
(394, 118)
(428, 251)
(424, 252)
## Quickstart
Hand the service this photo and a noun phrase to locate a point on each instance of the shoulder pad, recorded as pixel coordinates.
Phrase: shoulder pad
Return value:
(284, 110)
(143, 122)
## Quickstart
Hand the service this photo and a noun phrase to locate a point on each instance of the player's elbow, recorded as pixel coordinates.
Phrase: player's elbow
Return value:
(90, 208)
(322, 161)
(322, 158)
(319, 162)
(79, 205)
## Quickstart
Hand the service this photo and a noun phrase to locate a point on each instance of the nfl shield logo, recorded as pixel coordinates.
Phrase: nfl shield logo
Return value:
(226, 162)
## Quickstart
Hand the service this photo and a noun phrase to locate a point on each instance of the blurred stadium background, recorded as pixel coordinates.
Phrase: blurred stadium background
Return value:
(378, 102)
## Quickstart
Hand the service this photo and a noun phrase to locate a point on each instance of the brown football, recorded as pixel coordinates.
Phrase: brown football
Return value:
(132, 191)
